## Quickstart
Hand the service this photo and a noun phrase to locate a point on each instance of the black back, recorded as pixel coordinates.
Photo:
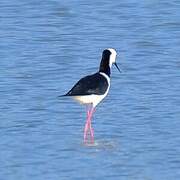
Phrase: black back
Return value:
(104, 65)
(93, 84)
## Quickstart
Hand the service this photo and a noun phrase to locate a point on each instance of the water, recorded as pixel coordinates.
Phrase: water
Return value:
(46, 46)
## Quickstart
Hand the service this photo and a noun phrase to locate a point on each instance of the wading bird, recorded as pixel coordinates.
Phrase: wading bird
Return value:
(92, 89)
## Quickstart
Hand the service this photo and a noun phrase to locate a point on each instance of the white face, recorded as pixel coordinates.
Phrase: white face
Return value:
(112, 56)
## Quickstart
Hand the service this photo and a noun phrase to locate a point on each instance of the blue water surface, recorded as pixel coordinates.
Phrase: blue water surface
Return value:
(46, 46)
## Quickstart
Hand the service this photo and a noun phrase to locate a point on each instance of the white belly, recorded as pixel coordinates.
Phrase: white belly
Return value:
(88, 99)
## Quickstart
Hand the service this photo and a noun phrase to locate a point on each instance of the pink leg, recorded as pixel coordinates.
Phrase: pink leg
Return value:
(92, 133)
(86, 129)
(88, 126)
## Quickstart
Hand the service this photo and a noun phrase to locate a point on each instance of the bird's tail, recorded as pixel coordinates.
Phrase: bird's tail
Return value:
(62, 95)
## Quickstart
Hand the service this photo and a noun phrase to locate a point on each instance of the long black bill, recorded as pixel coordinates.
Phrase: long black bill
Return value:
(117, 67)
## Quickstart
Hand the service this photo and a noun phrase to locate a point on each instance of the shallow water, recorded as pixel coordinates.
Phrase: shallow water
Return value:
(46, 47)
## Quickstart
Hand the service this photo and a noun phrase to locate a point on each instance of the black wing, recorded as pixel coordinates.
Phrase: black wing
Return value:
(93, 84)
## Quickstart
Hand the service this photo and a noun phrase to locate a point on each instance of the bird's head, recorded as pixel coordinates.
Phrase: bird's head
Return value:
(110, 54)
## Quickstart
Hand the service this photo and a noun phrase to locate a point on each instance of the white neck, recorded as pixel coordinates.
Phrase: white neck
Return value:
(112, 57)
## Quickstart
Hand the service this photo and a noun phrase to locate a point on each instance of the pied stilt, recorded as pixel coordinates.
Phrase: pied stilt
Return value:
(92, 89)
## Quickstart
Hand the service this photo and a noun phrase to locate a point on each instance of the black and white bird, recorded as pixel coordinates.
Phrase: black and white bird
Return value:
(92, 89)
